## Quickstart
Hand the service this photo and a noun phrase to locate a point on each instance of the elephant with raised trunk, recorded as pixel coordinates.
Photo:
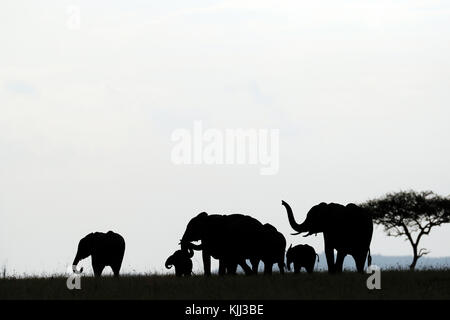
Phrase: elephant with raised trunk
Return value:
(181, 259)
(229, 238)
(105, 249)
(346, 229)
(302, 256)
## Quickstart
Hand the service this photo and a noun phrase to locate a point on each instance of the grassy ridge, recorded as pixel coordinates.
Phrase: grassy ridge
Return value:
(431, 284)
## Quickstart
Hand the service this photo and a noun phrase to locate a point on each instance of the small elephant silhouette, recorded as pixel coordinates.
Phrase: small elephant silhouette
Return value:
(181, 259)
(105, 249)
(301, 255)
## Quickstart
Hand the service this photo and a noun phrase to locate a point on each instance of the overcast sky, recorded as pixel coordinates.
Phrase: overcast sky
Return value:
(358, 89)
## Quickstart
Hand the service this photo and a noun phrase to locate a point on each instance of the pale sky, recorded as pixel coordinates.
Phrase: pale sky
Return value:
(358, 89)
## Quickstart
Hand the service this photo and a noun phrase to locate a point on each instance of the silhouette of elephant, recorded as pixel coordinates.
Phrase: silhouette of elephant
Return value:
(301, 255)
(231, 268)
(346, 229)
(181, 259)
(272, 249)
(105, 249)
(229, 238)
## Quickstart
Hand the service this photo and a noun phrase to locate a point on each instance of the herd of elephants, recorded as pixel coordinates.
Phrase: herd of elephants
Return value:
(233, 239)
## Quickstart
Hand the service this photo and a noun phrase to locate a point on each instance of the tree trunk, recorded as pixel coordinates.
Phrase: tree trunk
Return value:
(415, 258)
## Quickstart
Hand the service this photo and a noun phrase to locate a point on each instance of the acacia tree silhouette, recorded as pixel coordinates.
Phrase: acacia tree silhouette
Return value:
(411, 214)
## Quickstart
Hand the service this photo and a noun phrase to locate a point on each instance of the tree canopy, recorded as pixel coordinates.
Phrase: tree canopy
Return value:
(410, 214)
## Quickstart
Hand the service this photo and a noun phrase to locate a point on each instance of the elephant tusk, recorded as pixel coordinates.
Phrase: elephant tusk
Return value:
(294, 234)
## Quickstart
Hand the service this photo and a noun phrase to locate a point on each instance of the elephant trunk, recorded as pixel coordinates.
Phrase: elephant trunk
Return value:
(75, 263)
(169, 262)
(186, 245)
(196, 246)
(297, 227)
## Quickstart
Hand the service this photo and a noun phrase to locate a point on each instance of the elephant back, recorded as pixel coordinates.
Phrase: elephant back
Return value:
(110, 244)
(244, 234)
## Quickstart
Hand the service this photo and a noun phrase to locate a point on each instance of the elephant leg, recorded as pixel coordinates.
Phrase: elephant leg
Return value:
(297, 269)
(340, 261)
(360, 260)
(248, 271)
(222, 268)
(206, 262)
(255, 265)
(329, 253)
(281, 266)
(231, 268)
(187, 269)
(98, 269)
(116, 269)
(267, 267)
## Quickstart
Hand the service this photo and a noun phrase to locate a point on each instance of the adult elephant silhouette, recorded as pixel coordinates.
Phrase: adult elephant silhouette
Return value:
(229, 238)
(105, 249)
(272, 249)
(346, 229)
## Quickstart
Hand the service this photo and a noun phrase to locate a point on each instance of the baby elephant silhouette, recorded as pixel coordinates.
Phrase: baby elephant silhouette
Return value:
(301, 255)
(181, 259)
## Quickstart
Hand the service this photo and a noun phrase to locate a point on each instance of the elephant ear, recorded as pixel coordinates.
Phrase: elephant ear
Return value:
(318, 218)
(335, 215)
(320, 211)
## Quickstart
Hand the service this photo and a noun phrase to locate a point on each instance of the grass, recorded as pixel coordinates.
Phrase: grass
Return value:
(429, 284)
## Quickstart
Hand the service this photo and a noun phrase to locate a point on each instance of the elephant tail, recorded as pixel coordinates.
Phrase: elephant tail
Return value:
(369, 259)
(318, 260)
